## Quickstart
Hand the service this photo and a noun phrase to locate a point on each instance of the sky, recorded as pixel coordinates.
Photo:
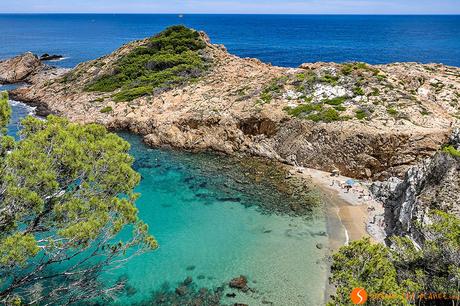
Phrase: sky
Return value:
(234, 6)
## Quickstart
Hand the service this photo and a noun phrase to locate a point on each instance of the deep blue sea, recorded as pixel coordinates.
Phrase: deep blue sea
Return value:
(285, 40)
(204, 212)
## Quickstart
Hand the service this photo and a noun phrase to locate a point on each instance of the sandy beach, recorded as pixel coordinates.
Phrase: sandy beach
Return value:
(352, 213)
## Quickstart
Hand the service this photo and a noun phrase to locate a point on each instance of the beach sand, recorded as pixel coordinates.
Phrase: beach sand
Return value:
(352, 214)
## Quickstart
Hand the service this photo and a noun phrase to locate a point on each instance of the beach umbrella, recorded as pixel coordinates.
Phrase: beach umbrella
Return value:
(350, 182)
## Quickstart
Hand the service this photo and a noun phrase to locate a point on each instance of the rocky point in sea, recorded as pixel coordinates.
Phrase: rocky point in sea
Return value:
(369, 121)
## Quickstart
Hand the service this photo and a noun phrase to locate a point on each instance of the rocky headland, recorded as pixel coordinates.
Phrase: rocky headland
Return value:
(366, 121)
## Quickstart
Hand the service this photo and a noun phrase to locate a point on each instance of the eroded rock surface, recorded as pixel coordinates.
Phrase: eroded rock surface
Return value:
(367, 121)
(19, 68)
(434, 184)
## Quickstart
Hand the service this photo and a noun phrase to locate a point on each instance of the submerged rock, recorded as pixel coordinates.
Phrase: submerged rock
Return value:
(182, 290)
(240, 283)
(187, 281)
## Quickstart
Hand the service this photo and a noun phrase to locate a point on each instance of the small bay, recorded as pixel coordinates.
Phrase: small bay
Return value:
(216, 218)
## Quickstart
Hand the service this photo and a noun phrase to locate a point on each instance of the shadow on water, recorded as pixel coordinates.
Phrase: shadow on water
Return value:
(249, 181)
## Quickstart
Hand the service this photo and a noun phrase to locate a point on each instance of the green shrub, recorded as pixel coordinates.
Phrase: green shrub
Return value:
(98, 100)
(170, 58)
(272, 89)
(303, 109)
(335, 101)
(340, 108)
(131, 94)
(392, 111)
(330, 79)
(106, 109)
(375, 92)
(308, 76)
(348, 68)
(301, 77)
(358, 91)
(451, 150)
(328, 115)
(360, 114)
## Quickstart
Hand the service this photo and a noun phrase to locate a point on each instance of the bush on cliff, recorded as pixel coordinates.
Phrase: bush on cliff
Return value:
(169, 58)
(451, 150)
(66, 191)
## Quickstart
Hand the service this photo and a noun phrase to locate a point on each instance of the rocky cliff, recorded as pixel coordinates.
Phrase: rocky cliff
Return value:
(434, 184)
(368, 121)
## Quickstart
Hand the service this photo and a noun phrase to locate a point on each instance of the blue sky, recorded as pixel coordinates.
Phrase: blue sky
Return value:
(234, 6)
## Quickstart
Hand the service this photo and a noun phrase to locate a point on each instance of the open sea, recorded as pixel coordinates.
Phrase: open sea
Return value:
(284, 40)
(205, 215)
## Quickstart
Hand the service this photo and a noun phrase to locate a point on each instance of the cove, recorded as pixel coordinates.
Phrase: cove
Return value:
(215, 218)
(211, 225)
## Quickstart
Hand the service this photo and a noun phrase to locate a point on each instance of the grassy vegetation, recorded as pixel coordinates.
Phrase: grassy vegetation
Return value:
(392, 111)
(106, 109)
(170, 58)
(335, 101)
(348, 68)
(307, 76)
(375, 92)
(273, 89)
(325, 115)
(303, 109)
(98, 100)
(361, 114)
(358, 91)
(329, 79)
(381, 77)
(451, 150)
(317, 112)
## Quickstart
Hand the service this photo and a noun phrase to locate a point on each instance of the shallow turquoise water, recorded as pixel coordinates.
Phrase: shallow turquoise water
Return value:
(209, 227)
(212, 224)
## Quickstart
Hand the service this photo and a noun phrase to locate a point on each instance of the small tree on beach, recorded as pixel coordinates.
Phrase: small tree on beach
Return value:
(66, 198)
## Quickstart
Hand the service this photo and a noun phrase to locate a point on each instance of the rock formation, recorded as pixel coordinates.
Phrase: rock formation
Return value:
(434, 184)
(367, 121)
(18, 69)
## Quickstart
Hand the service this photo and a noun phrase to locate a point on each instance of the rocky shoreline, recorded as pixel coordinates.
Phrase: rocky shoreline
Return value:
(391, 117)
(368, 122)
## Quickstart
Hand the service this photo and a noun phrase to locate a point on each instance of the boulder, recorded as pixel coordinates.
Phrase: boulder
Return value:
(47, 57)
(240, 283)
(181, 290)
(187, 281)
(18, 68)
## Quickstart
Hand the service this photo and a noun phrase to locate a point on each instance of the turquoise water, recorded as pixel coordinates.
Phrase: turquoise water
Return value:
(214, 222)
(210, 225)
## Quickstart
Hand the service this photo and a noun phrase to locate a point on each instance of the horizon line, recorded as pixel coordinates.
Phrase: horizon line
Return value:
(267, 14)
